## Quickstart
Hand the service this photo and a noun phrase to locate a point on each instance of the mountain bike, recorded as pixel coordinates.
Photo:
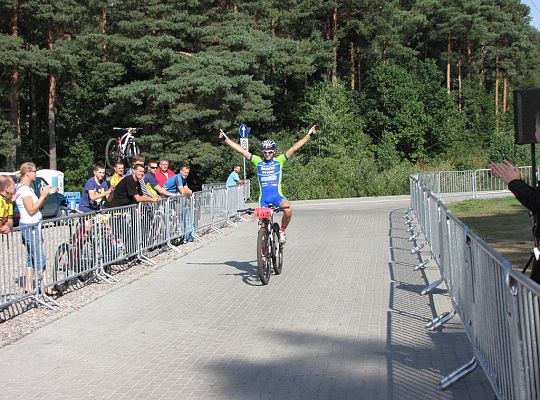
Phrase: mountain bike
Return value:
(269, 250)
(122, 148)
(90, 242)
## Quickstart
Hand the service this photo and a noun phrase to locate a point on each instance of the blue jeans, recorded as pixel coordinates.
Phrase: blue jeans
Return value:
(189, 228)
(31, 238)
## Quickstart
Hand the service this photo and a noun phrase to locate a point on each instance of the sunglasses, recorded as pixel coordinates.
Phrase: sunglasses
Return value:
(268, 152)
(152, 167)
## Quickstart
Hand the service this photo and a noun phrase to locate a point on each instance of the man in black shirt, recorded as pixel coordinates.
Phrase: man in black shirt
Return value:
(526, 194)
(128, 191)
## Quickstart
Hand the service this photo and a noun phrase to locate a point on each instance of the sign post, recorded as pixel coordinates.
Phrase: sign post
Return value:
(244, 133)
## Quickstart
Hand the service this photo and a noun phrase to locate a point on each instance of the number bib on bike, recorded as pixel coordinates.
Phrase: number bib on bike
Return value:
(269, 174)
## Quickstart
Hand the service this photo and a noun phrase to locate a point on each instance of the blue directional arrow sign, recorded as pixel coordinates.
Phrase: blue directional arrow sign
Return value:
(244, 131)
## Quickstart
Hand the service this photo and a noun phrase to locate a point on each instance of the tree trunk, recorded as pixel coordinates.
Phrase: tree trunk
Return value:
(497, 91)
(51, 110)
(505, 95)
(353, 65)
(448, 65)
(14, 111)
(34, 117)
(469, 61)
(459, 85)
(335, 45)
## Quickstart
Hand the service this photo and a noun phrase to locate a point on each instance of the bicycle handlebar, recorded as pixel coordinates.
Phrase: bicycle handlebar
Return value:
(275, 209)
(127, 129)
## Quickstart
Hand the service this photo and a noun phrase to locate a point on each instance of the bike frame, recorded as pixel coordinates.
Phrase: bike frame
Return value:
(126, 138)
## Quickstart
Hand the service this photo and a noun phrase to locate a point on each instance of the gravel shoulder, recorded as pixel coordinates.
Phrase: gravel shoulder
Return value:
(21, 319)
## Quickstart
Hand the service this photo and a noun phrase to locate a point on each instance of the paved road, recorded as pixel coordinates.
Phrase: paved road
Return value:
(341, 322)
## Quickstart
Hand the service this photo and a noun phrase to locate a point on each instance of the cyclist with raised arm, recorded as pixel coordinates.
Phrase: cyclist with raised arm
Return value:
(269, 173)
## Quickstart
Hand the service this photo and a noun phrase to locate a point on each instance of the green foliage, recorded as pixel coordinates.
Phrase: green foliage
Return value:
(502, 147)
(76, 163)
(372, 76)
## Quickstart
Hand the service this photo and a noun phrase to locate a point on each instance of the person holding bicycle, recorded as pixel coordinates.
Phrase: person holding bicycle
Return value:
(269, 173)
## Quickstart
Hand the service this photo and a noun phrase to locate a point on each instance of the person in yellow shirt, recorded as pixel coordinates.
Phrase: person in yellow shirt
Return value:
(118, 174)
(7, 196)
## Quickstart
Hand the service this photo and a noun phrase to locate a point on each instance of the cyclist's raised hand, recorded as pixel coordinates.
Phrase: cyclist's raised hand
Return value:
(222, 135)
(312, 131)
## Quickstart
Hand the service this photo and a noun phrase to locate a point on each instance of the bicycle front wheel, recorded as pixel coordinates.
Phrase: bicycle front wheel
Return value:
(62, 266)
(113, 153)
(277, 253)
(132, 150)
(263, 256)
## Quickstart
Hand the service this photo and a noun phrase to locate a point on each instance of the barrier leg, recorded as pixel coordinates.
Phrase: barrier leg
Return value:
(413, 236)
(104, 276)
(431, 286)
(417, 249)
(197, 237)
(457, 374)
(172, 246)
(145, 259)
(440, 320)
(423, 264)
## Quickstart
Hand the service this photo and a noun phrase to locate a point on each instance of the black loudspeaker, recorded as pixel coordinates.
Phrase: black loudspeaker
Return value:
(526, 115)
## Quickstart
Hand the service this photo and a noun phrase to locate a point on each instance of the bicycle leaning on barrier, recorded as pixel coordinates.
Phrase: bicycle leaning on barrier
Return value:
(91, 241)
(269, 249)
(122, 148)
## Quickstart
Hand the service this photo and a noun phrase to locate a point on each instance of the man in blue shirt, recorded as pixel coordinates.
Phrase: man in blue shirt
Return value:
(95, 190)
(234, 178)
(178, 183)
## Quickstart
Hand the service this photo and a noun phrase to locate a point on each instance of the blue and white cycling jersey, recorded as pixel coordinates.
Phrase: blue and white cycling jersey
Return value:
(269, 174)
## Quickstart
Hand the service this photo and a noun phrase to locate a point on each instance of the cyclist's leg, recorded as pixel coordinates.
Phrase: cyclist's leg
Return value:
(287, 213)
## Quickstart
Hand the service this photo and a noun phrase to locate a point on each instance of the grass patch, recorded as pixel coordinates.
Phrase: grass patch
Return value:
(503, 223)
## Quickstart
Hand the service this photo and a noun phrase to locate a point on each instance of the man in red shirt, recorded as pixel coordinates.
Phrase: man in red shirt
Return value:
(163, 173)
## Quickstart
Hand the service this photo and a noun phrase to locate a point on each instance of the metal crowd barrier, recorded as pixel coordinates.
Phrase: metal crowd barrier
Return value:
(81, 247)
(473, 183)
(246, 188)
(499, 307)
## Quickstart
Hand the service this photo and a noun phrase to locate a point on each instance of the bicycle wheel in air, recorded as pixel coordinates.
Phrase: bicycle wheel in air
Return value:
(113, 153)
(85, 259)
(277, 254)
(263, 256)
(131, 150)
(62, 266)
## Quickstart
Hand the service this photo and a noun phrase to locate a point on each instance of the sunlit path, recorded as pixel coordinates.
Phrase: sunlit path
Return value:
(339, 323)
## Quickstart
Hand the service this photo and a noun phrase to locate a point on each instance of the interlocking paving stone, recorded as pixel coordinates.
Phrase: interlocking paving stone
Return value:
(340, 322)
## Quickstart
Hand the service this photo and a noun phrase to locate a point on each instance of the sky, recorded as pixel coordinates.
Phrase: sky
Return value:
(534, 5)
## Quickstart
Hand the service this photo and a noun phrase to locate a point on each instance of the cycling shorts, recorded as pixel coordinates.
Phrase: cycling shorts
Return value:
(272, 198)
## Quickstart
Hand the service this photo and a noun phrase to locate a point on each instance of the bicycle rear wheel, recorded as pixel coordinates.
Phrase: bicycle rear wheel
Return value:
(62, 266)
(277, 253)
(113, 153)
(131, 150)
(263, 256)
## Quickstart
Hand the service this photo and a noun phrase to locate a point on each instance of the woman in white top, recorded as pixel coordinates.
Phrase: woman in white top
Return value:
(30, 224)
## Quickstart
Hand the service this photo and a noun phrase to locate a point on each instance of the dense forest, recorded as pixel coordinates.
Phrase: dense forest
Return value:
(395, 86)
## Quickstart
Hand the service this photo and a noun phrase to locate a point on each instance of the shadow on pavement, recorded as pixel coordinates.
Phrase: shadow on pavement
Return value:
(337, 368)
(419, 358)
